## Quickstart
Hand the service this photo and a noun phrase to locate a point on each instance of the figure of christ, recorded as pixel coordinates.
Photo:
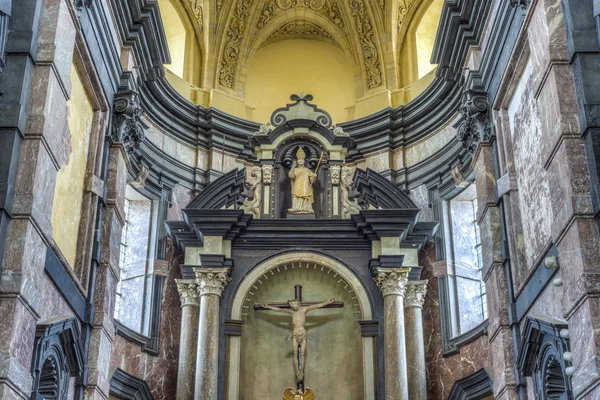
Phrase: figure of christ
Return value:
(298, 332)
(302, 180)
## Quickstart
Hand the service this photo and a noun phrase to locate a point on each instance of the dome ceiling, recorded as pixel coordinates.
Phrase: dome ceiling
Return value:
(370, 32)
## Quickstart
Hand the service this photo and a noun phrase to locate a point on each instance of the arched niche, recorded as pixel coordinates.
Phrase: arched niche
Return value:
(263, 348)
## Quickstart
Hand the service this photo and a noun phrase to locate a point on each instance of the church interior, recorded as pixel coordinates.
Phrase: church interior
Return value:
(299, 199)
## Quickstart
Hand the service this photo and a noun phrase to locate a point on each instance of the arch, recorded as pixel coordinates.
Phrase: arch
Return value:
(266, 265)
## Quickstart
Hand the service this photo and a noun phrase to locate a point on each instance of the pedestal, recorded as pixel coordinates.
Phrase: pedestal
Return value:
(301, 216)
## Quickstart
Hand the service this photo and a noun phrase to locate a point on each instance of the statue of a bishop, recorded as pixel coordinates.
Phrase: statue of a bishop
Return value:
(302, 180)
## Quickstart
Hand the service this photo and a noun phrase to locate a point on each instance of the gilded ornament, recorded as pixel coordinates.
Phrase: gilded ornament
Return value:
(291, 394)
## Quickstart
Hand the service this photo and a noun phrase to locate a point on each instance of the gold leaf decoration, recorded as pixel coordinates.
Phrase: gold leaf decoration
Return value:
(366, 34)
(235, 35)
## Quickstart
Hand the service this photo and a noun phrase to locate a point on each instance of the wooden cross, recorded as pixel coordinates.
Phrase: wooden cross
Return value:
(298, 297)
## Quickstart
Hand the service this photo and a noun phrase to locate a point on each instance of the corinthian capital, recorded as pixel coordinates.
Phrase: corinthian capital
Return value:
(212, 280)
(392, 281)
(188, 292)
(415, 294)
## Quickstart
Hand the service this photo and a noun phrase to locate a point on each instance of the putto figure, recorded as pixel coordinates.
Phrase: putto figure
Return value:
(298, 332)
(302, 185)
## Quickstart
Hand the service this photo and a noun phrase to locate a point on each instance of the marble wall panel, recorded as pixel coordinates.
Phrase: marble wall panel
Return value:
(534, 193)
(420, 196)
(180, 198)
(155, 135)
(429, 146)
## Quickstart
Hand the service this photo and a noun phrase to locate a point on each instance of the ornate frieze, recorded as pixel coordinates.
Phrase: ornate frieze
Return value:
(235, 34)
(403, 7)
(366, 34)
(266, 14)
(252, 204)
(128, 125)
(299, 29)
(328, 7)
(475, 126)
(415, 294)
(334, 173)
(212, 280)
(392, 281)
(267, 174)
(189, 294)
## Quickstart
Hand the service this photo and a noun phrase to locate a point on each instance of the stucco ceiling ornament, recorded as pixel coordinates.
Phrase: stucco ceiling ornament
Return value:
(301, 109)
(475, 126)
(403, 7)
(298, 29)
(235, 34)
(196, 6)
(328, 7)
(364, 28)
(128, 125)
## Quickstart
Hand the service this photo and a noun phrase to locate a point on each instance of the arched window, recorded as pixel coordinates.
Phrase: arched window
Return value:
(139, 290)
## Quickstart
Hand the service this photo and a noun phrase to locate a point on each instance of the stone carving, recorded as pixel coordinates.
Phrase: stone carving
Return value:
(328, 7)
(364, 27)
(251, 205)
(339, 131)
(349, 206)
(140, 179)
(301, 109)
(188, 292)
(197, 13)
(520, 3)
(266, 14)
(267, 174)
(235, 34)
(264, 130)
(299, 28)
(334, 173)
(302, 180)
(475, 126)
(392, 281)
(128, 126)
(403, 7)
(415, 294)
(211, 280)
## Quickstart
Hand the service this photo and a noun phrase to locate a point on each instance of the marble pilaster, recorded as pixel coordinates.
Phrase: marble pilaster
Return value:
(415, 344)
(392, 283)
(188, 344)
(211, 283)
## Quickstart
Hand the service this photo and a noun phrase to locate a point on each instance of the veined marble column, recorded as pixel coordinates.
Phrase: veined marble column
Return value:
(188, 343)
(211, 282)
(415, 345)
(392, 283)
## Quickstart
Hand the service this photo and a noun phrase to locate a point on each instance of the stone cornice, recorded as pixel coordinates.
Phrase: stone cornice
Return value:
(392, 281)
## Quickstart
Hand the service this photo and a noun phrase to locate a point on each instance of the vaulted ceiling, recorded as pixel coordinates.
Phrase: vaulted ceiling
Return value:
(371, 32)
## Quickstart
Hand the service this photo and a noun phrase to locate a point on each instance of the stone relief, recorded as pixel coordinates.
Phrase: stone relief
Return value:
(188, 292)
(212, 280)
(349, 206)
(266, 14)
(267, 174)
(334, 173)
(366, 34)
(128, 125)
(264, 130)
(475, 126)
(140, 179)
(252, 204)
(415, 293)
(299, 28)
(235, 33)
(328, 7)
(339, 131)
(403, 7)
(196, 7)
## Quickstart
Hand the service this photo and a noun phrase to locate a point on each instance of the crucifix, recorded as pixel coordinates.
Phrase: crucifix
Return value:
(298, 309)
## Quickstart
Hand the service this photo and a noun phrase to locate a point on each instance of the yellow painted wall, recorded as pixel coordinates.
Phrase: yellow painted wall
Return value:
(294, 66)
(426, 33)
(176, 36)
(68, 195)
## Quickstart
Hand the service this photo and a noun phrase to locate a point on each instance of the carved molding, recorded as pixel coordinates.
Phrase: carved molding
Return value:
(188, 292)
(267, 174)
(403, 8)
(253, 203)
(349, 206)
(334, 173)
(366, 34)
(298, 29)
(327, 7)
(212, 281)
(415, 294)
(475, 126)
(196, 14)
(301, 109)
(128, 125)
(392, 281)
(235, 34)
